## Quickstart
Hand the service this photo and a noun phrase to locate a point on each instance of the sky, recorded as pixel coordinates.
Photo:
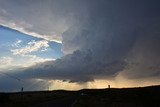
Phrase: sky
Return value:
(75, 44)
(19, 49)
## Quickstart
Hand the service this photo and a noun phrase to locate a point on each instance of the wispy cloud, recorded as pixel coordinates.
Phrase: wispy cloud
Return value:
(56, 38)
(5, 61)
(31, 47)
(25, 52)
(17, 44)
(33, 59)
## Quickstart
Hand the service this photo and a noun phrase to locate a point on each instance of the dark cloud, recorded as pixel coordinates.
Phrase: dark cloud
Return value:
(116, 36)
(108, 38)
(143, 59)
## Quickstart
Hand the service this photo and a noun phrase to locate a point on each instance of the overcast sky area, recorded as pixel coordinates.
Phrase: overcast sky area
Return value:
(75, 44)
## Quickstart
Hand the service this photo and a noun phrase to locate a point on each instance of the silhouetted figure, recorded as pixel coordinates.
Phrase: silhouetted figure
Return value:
(22, 89)
(109, 86)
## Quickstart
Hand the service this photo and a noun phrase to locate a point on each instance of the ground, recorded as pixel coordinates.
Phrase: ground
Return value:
(125, 97)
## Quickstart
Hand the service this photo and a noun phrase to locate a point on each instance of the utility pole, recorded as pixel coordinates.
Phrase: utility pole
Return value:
(22, 89)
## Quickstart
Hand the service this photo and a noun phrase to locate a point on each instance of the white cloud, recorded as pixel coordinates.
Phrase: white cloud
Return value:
(25, 52)
(31, 47)
(12, 25)
(17, 43)
(32, 60)
(5, 61)
(8, 63)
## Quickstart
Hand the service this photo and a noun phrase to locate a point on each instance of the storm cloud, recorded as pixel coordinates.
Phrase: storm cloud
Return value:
(104, 38)
(115, 37)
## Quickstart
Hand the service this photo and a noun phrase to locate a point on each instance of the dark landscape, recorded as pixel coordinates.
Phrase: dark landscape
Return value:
(113, 97)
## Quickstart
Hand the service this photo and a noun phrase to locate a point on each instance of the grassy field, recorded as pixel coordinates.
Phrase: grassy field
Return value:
(125, 97)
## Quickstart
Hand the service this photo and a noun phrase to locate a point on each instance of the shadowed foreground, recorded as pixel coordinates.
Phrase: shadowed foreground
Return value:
(127, 97)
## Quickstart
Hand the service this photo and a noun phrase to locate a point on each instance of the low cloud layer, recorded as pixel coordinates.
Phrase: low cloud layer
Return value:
(105, 39)
(11, 83)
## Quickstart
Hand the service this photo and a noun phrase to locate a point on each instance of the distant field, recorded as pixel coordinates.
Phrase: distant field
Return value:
(126, 97)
